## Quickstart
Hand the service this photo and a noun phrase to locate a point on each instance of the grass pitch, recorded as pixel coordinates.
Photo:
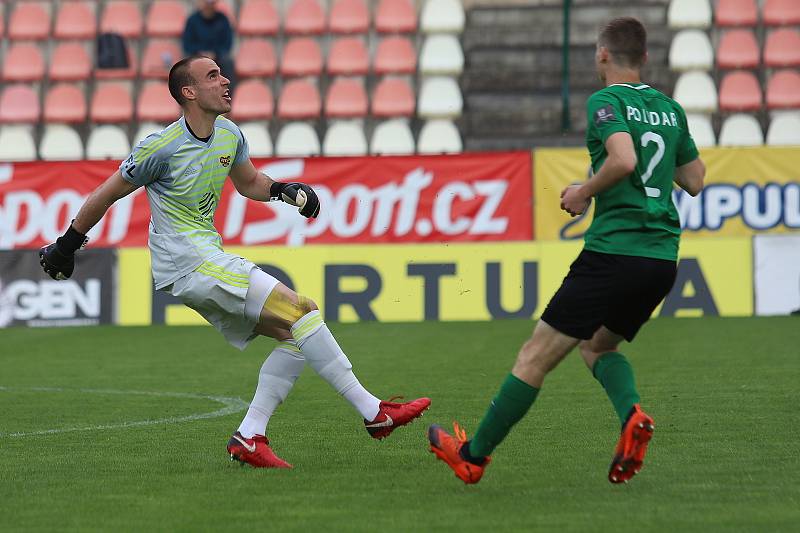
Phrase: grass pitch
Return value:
(723, 392)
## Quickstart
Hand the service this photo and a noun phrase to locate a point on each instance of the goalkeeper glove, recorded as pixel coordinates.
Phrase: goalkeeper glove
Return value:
(58, 259)
(296, 194)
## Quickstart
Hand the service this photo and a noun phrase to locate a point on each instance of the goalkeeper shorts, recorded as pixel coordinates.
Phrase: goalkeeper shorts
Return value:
(229, 292)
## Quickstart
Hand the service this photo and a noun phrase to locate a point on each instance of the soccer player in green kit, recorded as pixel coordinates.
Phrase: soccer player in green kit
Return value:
(639, 144)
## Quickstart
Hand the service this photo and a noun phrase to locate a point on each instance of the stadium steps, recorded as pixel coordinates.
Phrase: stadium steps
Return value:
(512, 76)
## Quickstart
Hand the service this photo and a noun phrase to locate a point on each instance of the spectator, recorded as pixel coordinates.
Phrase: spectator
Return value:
(208, 32)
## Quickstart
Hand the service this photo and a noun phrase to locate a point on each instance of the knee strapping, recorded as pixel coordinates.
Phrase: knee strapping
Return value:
(283, 307)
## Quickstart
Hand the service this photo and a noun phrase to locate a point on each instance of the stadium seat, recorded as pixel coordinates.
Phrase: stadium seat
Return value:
(297, 139)
(304, 17)
(396, 16)
(439, 137)
(111, 102)
(120, 73)
(76, 20)
(19, 104)
(16, 144)
(145, 129)
(348, 56)
(689, 14)
(301, 57)
(393, 97)
(299, 100)
(158, 58)
(741, 130)
(23, 62)
(60, 143)
(691, 50)
(256, 58)
(70, 62)
(701, 130)
(442, 16)
(29, 21)
(253, 101)
(107, 142)
(349, 16)
(441, 54)
(439, 97)
(740, 91)
(123, 17)
(783, 90)
(156, 104)
(258, 138)
(736, 13)
(695, 91)
(781, 12)
(738, 49)
(166, 18)
(395, 55)
(258, 17)
(392, 137)
(65, 103)
(782, 48)
(784, 130)
(346, 98)
(344, 138)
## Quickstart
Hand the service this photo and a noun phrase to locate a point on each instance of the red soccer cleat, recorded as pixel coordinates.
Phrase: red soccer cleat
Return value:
(632, 446)
(392, 415)
(448, 449)
(255, 452)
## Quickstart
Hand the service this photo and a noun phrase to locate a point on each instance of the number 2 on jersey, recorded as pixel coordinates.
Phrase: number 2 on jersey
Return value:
(647, 138)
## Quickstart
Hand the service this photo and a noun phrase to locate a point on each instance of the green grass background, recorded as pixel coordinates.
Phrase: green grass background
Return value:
(723, 392)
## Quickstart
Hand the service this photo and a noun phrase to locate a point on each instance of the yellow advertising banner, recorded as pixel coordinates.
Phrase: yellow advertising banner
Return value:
(400, 283)
(748, 191)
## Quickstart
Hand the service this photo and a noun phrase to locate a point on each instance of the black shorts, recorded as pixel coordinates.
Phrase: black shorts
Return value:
(619, 292)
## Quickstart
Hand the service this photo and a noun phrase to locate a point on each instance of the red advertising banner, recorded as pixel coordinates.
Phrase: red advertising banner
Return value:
(402, 199)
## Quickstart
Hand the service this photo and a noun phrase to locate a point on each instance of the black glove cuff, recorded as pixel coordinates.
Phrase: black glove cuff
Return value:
(275, 190)
(71, 241)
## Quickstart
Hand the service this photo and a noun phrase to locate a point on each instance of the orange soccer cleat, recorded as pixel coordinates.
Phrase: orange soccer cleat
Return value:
(632, 446)
(448, 449)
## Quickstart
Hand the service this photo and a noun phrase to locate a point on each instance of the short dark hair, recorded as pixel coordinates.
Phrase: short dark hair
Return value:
(179, 77)
(626, 40)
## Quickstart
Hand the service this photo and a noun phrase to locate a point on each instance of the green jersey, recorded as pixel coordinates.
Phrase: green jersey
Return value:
(637, 216)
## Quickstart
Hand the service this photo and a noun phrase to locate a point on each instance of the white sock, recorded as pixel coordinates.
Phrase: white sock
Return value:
(275, 380)
(324, 355)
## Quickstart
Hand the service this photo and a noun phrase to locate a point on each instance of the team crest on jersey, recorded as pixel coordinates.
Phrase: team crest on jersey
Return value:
(225, 160)
(604, 114)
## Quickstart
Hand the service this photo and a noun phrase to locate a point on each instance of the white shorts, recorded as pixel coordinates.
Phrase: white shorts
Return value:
(229, 292)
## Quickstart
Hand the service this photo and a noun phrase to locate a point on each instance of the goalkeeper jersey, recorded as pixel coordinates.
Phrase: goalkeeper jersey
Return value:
(183, 177)
(637, 216)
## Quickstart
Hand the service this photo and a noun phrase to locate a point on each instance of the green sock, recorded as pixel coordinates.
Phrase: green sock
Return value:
(615, 373)
(513, 400)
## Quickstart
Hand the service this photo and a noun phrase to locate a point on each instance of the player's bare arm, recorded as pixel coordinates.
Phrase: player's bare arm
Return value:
(621, 161)
(257, 186)
(101, 200)
(689, 177)
(58, 259)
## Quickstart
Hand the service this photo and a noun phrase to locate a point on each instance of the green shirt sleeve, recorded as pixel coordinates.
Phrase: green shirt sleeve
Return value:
(604, 116)
(687, 151)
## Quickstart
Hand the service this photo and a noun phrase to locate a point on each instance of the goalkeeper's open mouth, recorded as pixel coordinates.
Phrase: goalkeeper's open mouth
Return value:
(227, 96)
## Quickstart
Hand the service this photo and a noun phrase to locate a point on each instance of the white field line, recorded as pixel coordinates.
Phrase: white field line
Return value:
(230, 406)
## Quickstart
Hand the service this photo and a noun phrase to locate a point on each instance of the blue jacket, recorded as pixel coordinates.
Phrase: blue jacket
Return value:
(214, 35)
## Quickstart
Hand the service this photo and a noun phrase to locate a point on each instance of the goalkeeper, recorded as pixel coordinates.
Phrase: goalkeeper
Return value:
(183, 169)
